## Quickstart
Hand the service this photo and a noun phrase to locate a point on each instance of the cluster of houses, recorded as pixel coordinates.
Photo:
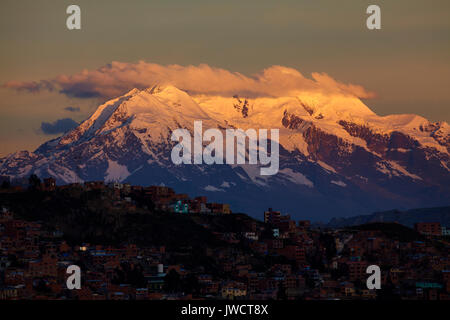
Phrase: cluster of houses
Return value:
(432, 229)
(278, 258)
(163, 198)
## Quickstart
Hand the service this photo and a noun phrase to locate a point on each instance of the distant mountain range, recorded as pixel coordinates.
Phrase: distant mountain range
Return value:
(407, 218)
(337, 157)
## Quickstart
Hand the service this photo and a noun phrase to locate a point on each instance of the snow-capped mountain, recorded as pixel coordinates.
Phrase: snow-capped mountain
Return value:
(337, 157)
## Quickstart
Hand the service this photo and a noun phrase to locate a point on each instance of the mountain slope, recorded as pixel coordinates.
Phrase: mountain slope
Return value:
(336, 156)
(407, 218)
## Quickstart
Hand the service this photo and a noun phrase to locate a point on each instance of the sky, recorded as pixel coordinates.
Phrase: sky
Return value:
(402, 68)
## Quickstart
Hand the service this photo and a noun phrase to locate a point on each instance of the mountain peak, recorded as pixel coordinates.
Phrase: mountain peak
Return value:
(334, 143)
(156, 90)
(165, 90)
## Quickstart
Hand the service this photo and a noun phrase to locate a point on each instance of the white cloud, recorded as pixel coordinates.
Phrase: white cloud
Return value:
(117, 78)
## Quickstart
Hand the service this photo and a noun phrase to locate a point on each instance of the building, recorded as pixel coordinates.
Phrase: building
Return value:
(179, 207)
(429, 228)
(219, 208)
(304, 224)
(357, 270)
(271, 216)
(49, 184)
(5, 180)
(94, 185)
(8, 293)
(276, 232)
(293, 252)
(233, 290)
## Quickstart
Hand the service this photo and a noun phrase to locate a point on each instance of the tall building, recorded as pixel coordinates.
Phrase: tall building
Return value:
(429, 228)
(271, 216)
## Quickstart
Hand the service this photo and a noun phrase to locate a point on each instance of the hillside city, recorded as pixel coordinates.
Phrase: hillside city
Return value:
(141, 243)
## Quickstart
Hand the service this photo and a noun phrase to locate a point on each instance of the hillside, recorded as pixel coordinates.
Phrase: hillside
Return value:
(89, 216)
(407, 218)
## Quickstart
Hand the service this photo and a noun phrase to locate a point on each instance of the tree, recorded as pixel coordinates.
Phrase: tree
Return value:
(172, 281)
(34, 182)
(281, 294)
(6, 184)
(191, 284)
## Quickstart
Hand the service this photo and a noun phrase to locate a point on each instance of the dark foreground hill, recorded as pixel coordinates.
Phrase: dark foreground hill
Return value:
(93, 217)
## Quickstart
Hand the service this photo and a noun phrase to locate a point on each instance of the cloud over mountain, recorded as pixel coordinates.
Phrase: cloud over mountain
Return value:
(58, 126)
(72, 109)
(117, 78)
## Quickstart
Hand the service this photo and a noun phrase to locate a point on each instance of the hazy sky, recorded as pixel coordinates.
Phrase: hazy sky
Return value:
(406, 63)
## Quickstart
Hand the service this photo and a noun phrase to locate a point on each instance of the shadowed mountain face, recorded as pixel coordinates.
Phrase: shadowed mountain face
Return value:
(337, 158)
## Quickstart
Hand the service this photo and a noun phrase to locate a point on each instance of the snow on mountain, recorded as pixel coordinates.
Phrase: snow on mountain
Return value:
(336, 155)
(116, 172)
